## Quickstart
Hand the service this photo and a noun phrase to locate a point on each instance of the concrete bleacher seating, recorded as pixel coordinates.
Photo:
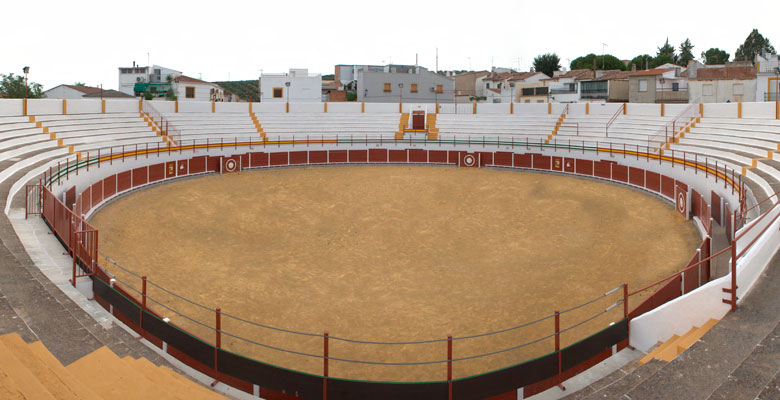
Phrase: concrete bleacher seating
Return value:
(29, 371)
(747, 144)
(329, 124)
(534, 127)
(196, 126)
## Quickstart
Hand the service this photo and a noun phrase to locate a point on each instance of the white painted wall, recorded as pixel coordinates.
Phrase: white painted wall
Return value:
(63, 92)
(164, 106)
(382, 107)
(653, 110)
(759, 110)
(530, 108)
(720, 91)
(202, 92)
(302, 89)
(121, 106)
(194, 106)
(428, 107)
(605, 108)
(345, 107)
(493, 108)
(724, 110)
(11, 107)
(85, 106)
(223, 107)
(44, 106)
(307, 108)
(259, 108)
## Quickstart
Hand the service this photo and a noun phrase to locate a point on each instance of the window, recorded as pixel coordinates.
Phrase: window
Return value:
(439, 89)
(189, 92)
(278, 93)
(707, 90)
(540, 101)
(388, 87)
(527, 100)
(738, 89)
(413, 89)
(675, 87)
(487, 85)
(643, 85)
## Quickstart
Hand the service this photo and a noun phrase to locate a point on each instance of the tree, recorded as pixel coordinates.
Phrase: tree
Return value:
(79, 84)
(715, 56)
(754, 44)
(668, 51)
(547, 63)
(605, 62)
(12, 87)
(661, 60)
(641, 62)
(686, 53)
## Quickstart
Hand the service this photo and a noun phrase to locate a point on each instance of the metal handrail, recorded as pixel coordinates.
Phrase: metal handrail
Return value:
(622, 108)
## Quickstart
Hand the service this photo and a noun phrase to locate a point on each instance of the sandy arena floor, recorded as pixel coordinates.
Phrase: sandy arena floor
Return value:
(393, 253)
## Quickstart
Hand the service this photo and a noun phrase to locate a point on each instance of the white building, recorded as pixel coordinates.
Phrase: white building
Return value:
(153, 79)
(506, 87)
(296, 86)
(82, 92)
(565, 85)
(732, 82)
(768, 77)
(191, 89)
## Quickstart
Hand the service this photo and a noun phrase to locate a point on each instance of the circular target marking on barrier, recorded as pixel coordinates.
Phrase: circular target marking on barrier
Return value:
(568, 164)
(181, 166)
(230, 165)
(681, 202)
(469, 160)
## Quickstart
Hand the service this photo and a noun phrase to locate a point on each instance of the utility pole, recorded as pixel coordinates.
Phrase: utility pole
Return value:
(603, 58)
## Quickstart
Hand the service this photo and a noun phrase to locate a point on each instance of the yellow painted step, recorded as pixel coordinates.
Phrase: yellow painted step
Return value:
(117, 380)
(694, 335)
(658, 350)
(8, 388)
(47, 369)
(26, 383)
(167, 382)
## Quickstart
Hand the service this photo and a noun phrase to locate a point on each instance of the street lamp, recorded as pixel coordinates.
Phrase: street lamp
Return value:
(288, 90)
(400, 92)
(512, 86)
(26, 71)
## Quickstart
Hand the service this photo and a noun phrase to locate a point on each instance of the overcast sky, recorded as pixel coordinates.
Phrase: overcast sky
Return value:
(86, 41)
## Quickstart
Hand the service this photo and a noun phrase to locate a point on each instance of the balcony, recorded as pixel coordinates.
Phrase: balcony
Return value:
(563, 91)
(596, 94)
(671, 95)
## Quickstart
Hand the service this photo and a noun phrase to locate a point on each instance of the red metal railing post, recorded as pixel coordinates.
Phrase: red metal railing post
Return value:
(734, 263)
(558, 348)
(325, 366)
(449, 366)
(74, 254)
(143, 291)
(218, 341)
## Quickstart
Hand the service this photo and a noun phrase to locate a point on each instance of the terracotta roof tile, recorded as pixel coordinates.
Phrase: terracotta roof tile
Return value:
(84, 89)
(726, 73)
(185, 78)
(650, 72)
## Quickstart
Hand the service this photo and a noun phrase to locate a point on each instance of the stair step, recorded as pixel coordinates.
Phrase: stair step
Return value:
(166, 381)
(47, 369)
(26, 384)
(658, 350)
(117, 380)
(694, 335)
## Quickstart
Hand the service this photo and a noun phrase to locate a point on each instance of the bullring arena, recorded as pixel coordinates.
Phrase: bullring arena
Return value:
(285, 250)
